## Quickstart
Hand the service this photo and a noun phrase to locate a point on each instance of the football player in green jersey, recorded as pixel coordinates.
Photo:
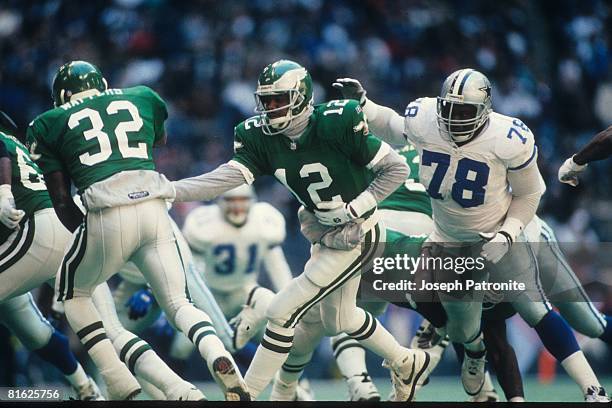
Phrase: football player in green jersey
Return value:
(101, 139)
(339, 172)
(25, 248)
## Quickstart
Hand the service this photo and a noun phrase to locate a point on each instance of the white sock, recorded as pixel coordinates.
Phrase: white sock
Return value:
(516, 399)
(376, 338)
(350, 355)
(577, 366)
(196, 325)
(151, 390)
(269, 357)
(78, 378)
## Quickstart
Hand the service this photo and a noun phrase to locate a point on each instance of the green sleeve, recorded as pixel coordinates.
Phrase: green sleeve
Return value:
(45, 155)
(362, 144)
(247, 153)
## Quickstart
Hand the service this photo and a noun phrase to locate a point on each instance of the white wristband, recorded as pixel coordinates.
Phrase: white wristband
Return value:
(363, 203)
(5, 191)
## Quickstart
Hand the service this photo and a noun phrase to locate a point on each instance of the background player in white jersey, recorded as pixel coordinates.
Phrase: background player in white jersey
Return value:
(480, 170)
(231, 241)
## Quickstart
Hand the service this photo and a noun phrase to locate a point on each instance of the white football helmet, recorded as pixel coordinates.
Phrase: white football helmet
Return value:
(464, 104)
(235, 204)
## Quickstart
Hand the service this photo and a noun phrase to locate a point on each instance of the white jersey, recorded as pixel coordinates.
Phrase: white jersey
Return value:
(468, 184)
(231, 256)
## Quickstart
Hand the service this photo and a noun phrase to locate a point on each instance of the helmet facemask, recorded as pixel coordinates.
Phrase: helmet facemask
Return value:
(274, 121)
(235, 209)
(460, 121)
(464, 104)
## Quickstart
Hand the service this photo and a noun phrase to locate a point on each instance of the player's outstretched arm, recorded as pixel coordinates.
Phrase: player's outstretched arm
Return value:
(208, 186)
(67, 211)
(386, 124)
(599, 148)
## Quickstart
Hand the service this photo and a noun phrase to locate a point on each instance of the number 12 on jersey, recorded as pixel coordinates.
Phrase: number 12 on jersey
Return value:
(471, 178)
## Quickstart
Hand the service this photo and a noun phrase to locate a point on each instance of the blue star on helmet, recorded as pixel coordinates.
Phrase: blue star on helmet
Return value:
(486, 89)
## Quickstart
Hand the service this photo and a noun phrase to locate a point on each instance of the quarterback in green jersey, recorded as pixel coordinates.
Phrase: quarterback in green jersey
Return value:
(101, 139)
(339, 172)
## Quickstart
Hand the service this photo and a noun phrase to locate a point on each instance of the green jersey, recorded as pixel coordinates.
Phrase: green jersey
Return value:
(98, 136)
(27, 183)
(410, 196)
(329, 162)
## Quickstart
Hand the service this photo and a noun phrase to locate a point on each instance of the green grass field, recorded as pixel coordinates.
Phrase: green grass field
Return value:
(440, 389)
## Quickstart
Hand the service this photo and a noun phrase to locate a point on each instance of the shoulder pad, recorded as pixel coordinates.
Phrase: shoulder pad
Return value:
(197, 224)
(271, 220)
(514, 142)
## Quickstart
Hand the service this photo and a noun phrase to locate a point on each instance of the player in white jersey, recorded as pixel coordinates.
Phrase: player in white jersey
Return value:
(479, 168)
(230, 242)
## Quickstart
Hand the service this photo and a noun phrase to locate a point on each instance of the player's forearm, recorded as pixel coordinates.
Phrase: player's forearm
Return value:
(5, 167)
(208, 186)
(391, 172)
(527, 189)
(599, 148)
(278, 268)
(385, 123)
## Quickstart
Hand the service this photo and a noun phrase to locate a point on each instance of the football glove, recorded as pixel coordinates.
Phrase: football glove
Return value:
(497, 245)
(139, 304)
(9, 216)
(569, 171)
(351, 89)
(334, 213)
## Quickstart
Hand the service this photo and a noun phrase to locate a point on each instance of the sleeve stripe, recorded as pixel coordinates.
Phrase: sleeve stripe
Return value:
(382, 152)
(533, 154)
(248, 175)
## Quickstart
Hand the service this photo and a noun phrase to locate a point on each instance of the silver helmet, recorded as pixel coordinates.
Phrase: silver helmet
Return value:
(235, 204)
(464, 104)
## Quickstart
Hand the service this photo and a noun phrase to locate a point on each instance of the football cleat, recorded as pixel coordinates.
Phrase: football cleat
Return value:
(185, 392)
(89, 391)
(361, 388)
(596, 394)
(294, 391)
(487, 393)
(226, 374)
(428, 339)
(473, 372)
(246, 324)
(406, 372)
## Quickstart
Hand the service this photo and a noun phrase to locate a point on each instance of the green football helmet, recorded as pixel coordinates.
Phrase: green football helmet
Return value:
(74, 77)
(283, 77)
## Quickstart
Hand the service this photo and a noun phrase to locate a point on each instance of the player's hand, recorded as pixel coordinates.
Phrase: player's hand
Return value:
(569, 171)
(9, 216)
(139, 304)
(351, 89)
(497, 245)
(334, 213)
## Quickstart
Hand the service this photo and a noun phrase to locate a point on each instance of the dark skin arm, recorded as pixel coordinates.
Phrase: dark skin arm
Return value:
(162, 141)
(67, 211)
(5, 170)
(599, 148)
